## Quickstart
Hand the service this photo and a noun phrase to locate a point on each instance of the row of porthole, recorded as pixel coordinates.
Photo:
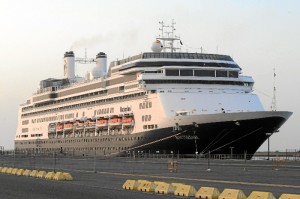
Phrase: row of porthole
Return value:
(85, 140)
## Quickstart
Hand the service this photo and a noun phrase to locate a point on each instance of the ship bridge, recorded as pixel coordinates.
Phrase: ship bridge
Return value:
(162, 59)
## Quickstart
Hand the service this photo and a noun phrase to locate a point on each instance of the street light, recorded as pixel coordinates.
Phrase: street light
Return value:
(231, 151)
(269, 135)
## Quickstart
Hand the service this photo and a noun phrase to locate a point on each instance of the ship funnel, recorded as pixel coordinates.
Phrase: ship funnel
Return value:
(69, 65)
(100, 68)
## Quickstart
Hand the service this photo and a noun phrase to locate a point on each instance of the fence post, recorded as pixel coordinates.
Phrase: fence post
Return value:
(95, 161)
(245, 157)
(54, 156)
(208, 162)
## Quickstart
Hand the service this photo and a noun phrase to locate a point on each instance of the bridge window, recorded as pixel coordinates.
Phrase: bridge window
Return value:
(221, 73)
(233, 74)
(184, 72)
(205, 73)
(172, 72)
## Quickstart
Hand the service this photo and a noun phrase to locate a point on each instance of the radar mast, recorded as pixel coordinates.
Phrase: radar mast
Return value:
(168, 37)
(273, 105)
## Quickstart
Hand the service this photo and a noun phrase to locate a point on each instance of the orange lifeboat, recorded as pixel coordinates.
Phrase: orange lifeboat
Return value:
(102, 122)
(68, 125)
(128, 121)
(115, 121)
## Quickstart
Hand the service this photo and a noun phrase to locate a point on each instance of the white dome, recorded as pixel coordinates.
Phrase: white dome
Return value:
(157, 46)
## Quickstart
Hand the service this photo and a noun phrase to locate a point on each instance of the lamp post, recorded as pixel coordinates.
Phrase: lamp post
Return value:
(268, 134)
(231, 151)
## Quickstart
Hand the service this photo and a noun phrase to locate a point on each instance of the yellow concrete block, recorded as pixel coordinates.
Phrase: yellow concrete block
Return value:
(9, 170)
(50, 175)
(130, 185)
(67, 176)
(141, 181)
(4, 169)
(146, 186)
(261, 195)
(207, 193)
(20, 172)
(34, 173)
(176, 184)
(41, 174)
(0, 169)
(158, 182)
(289, 196)
(14, 171)
(232, 194)
(185, 190)
(27, 172)
(164, 188)
(58, 176)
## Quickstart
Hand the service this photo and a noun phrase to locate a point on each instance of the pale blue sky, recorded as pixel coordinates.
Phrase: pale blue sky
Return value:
(259, 35)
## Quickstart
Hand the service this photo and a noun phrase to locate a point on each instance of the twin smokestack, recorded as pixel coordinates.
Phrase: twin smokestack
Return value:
(98, 71)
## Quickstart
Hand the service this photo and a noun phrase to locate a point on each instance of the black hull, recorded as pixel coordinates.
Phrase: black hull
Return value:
(221, 137)
(216, 138)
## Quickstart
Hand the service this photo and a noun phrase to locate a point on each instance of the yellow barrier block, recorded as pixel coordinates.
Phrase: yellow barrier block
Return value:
(9, 170)
(67, 176)
(261, 195)
(34, 173)
(142, 181)
(14, 171)
(130, 185)
(20, 172)
(176, 184)
(58, 176)
(27, 172)
(185, 190)
(158, 182)
(146, 186)
(232, 194)
(4, 169)
(207, 193)
(0, 169)
(289, 196)
(41, 174)
(164, 188)
(50, 175)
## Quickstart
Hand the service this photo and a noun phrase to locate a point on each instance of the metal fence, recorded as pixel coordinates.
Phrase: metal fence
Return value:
(133, 161)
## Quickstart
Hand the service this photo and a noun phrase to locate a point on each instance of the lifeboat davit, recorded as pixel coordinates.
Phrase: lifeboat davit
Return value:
(89, 123)
(59, 127)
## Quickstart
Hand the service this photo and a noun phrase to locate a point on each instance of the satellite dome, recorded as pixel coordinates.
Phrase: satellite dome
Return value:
(156, 46)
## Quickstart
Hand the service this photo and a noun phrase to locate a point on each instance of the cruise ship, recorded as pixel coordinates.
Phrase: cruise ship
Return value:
(164, 101)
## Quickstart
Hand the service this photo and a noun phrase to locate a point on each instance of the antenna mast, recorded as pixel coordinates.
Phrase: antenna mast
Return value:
(273, 105)
(84, 60)
(168, 36)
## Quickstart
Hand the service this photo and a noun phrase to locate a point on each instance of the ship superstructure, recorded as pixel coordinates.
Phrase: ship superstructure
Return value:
(154, 101)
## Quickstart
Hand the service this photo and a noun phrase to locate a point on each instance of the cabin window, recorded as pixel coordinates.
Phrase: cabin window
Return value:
(121, 88)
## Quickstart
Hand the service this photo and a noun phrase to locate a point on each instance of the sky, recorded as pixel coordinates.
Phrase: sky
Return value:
(259, 35)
